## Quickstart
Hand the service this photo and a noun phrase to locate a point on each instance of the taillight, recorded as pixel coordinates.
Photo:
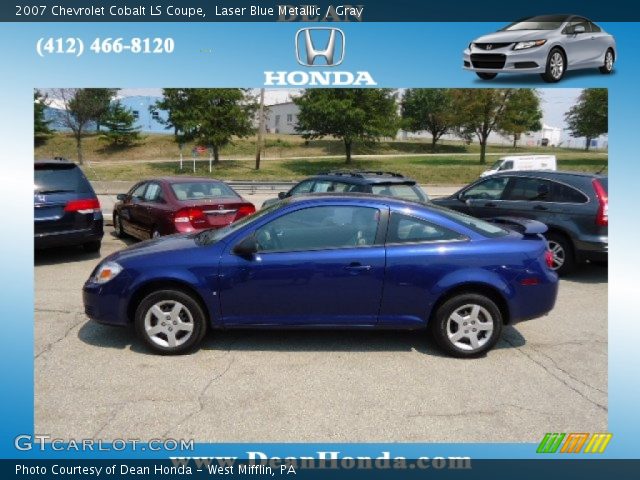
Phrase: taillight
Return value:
(548, 258)
(87, 205)
(245, 210)
(194, 216)
(602, 217)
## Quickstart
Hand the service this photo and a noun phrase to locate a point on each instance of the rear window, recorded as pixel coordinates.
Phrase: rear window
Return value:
(202, 190)
(403, 191)
(479, 226)
(59, 179)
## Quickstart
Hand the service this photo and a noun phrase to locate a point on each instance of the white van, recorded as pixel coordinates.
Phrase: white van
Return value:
(522, 162)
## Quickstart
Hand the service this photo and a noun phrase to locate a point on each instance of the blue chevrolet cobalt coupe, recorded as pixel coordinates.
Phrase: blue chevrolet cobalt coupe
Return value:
(347, 261)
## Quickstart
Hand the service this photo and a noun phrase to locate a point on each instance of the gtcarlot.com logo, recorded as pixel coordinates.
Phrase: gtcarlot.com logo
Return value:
(319, 47)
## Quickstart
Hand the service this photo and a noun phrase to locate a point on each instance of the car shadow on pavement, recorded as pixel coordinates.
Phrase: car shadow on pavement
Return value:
(54, 256)
(254, 340)
(588, 273)
(530, 79)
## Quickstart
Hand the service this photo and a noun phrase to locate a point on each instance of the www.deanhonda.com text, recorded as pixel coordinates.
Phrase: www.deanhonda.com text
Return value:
(322, 460)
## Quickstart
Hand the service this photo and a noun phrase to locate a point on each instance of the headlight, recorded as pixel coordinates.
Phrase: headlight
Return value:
(105, 272)
(530, 44)
(470, 45)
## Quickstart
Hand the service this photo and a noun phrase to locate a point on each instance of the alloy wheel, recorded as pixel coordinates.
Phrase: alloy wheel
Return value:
(559, 254)
(470, 327)
(168, 323)
(557, 65)
(608, 61)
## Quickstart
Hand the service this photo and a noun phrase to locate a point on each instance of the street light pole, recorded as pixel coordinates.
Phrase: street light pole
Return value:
(260, 129)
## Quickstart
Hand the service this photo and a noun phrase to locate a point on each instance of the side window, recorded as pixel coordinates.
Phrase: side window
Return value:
(342, 187)
(304, 187)
(405, 192)
(153, 193)
(320, 228)
(594, 28)
(138, 191)
(490, 189)
(529, 189)
(407, 229)
(508, 165)
(566, 194)
(323, 186)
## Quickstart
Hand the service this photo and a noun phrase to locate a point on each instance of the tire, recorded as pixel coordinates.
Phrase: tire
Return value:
(117, 226)
(486, 76)
(92, 247)
(172, 336)
(563, 255)
(556, 66)
(463, 318)
(609, 59)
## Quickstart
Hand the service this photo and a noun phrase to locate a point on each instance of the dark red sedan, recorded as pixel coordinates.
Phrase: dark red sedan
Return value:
(163, 206)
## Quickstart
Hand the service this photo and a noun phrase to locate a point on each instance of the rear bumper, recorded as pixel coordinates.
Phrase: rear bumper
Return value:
(70, 237)
(596, 249)
(534, 300)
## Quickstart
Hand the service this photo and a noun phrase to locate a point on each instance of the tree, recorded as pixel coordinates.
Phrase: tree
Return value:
(41, 131)
(350, 114)
(590, 116)
(82, 106)
(209, 116)
(478, 112)
(120, 123)
(521, 115)
(428, 109)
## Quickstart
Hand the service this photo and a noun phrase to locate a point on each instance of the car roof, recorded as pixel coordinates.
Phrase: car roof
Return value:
(180, 179)
(549, 174)
(363, 177)
(53, 161)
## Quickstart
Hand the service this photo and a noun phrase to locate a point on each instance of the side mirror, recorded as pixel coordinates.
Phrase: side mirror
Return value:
(578, 29)
(247, 247)
(282, 195)
(121, 196)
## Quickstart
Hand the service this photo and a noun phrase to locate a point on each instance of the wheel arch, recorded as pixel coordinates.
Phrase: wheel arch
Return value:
(144, 289)
(481, 288)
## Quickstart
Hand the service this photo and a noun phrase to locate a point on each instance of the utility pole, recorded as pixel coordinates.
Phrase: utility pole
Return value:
(260, 129)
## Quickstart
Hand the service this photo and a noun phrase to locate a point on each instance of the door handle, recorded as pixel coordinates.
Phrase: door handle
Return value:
(357, 267)
(540, 207)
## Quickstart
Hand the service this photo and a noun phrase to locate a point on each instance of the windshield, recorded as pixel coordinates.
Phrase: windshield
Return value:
(207, 237)
(543, 22)
(479, 226)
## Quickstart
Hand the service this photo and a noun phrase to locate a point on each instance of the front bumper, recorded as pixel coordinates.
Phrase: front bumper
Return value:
(107, 303)
(506, 60)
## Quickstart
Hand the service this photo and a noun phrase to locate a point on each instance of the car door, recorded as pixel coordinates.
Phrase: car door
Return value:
(152, 209)
(483, 199)
(315, 266)
(601, 42)
(531, 197)
(578, 46)
(131, 213)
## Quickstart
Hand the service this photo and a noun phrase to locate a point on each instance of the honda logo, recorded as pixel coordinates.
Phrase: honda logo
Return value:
(489, 46)
(316, 43)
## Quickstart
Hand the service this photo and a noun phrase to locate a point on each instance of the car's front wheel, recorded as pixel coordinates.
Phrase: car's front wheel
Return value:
(486, 76)
(556, 66)
(607, 67)
(467, 325)
(170, 321)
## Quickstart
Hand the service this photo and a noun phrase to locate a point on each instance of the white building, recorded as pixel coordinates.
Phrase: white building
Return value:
(281, 118)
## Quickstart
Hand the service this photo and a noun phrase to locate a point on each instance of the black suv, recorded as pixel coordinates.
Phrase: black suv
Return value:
(66, 210)
(573, 205)
(378, 183)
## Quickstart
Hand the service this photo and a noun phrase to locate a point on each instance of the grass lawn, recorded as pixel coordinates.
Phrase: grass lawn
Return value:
(452, 163)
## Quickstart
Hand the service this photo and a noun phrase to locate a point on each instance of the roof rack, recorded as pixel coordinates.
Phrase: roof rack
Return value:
(362, 173)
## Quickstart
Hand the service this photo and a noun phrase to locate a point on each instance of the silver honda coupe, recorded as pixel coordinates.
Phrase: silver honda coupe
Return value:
(546, 44)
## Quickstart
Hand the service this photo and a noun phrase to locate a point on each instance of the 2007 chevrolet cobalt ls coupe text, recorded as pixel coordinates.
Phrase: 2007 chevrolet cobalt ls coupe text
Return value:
(547, 44)
(346, 261)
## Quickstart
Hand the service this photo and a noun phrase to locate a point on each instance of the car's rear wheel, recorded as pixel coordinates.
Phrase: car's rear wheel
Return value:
(562, 251)
(170, 321)
(467, 325)
(556, 66)
(117, 226)
(607, 67)
(486, 76)
(92, 247)
(155, 233)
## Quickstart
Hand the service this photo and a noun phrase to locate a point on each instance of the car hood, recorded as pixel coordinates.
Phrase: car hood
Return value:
(514, 36)
(179, 244)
